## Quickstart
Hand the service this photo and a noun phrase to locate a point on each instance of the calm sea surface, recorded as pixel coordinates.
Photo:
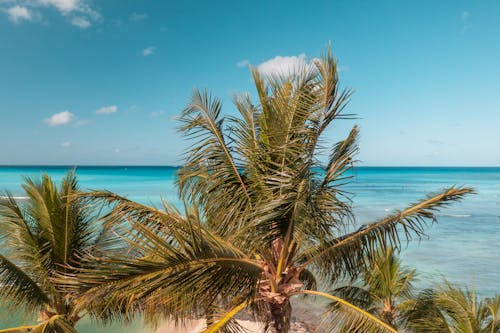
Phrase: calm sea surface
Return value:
(463, 246)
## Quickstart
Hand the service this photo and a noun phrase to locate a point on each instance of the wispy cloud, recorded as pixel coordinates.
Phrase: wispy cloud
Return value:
(66, 144)
(137, 17)
(19, 13)
(464, 17)
(132, 109)
(80, 22)
(243, 63)
(78, 12)
(81, 122)
(149, 51)
(435, 142)
(285, 66)
(61, 118)
(107, 109)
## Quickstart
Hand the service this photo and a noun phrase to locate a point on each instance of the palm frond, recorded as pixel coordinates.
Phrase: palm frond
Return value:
(177, 268)
(19, 232)
(211, 166)
(159, 289)
(490, 313)
(449, 308)
(22, 244)
(347, 253)
(349, 317)
(224, 321)
(19, 288)
(387, 278)
(423, 315)
(356, 295)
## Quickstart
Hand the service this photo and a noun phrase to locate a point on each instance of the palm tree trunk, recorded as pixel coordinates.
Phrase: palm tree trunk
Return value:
(279, 321)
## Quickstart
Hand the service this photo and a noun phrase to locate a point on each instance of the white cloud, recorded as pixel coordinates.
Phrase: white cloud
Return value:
(80, 22)
(61, 118)
(285, 66)
(149, 51)
(66, 144)
(243, 63)
(78, 12)
(19, 13)
(64, 6)
(107, 109)
(137, 17)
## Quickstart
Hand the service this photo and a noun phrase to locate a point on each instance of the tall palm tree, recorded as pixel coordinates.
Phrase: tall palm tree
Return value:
(384, 289)
(40, 237)
(451, 309)
(264, 221)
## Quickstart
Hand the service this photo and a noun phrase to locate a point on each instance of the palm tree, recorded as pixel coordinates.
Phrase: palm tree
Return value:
(384, 289)
(449, 308)
(264, 219)
(40, 237)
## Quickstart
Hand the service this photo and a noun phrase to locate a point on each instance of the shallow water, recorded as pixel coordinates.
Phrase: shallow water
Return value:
(462, 246)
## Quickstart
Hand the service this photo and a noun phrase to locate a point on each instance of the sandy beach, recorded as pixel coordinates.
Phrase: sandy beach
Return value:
(306, 315)
(197, 326)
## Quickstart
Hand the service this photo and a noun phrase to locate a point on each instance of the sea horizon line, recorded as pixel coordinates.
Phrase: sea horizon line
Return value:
(178, 166)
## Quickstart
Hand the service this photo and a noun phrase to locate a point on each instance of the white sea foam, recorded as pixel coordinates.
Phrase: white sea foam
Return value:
(17, 198)
(456, 215)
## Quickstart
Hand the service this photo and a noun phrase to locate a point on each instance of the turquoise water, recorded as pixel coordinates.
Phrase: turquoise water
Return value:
(463, 246)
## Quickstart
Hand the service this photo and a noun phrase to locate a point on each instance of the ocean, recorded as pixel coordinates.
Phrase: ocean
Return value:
(462, 246)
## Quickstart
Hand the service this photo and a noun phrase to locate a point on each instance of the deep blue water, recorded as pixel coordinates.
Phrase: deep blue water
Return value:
(463, 246)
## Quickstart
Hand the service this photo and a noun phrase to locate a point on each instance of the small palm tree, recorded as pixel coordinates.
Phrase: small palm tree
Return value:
(449, 308)
(264, 220)
(384, 289)
(40, 237)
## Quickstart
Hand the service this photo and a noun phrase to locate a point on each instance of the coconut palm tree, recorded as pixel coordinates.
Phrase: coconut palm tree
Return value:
(41, 235)
(449, 308)
(264, 220)
(384, 289)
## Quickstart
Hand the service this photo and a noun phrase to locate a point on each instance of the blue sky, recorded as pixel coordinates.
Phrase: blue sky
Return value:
(99, 82)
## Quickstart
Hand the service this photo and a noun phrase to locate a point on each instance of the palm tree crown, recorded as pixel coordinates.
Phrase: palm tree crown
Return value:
(265, 220)
(385, 288)
(41, 236)
(449, 308)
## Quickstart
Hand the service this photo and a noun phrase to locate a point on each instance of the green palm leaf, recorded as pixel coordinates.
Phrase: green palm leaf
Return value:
(449, 308)
(19, 288)
(347, 253)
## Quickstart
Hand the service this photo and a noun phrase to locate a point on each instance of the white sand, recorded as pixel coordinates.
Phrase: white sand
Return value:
(197, 326)
(304, 311)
